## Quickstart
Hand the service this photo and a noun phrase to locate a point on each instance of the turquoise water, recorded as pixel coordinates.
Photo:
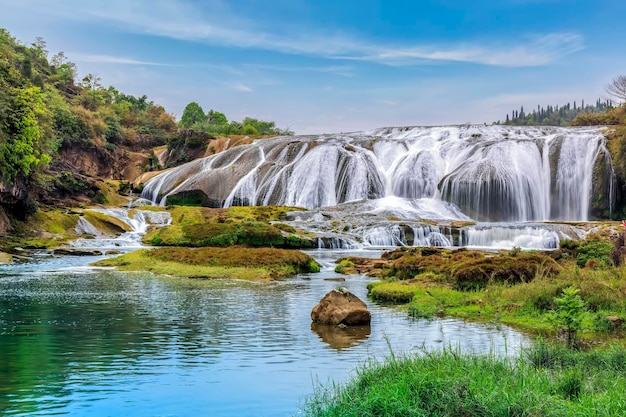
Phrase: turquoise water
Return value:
(82, 342)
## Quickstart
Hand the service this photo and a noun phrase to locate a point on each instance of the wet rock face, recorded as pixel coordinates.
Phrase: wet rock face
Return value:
(5, 224)
(340, 306)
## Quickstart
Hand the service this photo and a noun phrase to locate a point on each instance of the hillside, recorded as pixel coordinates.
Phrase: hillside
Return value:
(66, 142)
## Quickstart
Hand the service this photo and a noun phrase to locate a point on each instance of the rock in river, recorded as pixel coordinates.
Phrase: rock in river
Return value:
(340, 306)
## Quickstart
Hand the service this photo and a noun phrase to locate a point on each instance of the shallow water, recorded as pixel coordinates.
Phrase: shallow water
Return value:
(84, 342)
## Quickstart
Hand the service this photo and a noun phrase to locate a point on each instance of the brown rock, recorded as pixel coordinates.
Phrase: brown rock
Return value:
(340, 306)
(615, 320)
(5, 223)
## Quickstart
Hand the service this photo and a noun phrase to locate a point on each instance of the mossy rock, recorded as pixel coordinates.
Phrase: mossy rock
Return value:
(478, 273)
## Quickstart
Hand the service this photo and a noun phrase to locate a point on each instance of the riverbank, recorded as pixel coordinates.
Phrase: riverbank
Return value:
(515, 288)
(542, 380)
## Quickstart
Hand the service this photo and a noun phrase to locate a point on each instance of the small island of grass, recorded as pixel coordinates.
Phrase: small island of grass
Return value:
(258, 264)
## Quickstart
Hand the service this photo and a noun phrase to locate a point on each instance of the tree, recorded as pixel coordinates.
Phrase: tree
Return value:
(192, 114)
(21, 133)
(617, 88)
(569, 314)
(217, 118)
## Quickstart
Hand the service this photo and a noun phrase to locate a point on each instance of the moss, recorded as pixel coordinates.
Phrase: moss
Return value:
(225, 227)
(467, 269)
(392, 292)
(231, 262)
(345, 266)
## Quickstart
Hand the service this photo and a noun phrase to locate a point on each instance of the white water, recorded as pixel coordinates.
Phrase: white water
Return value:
(507, 175)
(129, 240)
(488, 173)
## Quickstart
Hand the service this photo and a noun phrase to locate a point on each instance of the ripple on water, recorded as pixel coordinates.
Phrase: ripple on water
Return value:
(106, 343)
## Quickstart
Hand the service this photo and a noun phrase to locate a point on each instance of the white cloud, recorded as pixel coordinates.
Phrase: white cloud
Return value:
(243, 88)
(109, 59)
(217, 25)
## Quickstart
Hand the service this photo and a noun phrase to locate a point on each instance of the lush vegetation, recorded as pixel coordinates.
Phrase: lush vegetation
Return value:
(543, 381)
(555, 115)
(45, 110)
(531, 291)
(248, 226)
(215, 122)
(234, 262)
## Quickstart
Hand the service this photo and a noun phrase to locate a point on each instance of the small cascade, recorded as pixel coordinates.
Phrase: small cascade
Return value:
(385, 236)
(337, 242)
(85, 228)
(508, 236)
(138, 224)
(430, 236)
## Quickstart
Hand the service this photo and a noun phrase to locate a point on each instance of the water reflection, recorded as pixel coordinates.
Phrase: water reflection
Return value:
(341, 337)
(106, 343)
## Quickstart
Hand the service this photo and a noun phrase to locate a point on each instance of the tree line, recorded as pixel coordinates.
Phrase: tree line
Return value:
(215, 122)
(555, 115)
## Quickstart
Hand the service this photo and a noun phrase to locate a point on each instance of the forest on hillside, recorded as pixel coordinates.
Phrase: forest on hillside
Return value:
(49, 116)
(556, 115)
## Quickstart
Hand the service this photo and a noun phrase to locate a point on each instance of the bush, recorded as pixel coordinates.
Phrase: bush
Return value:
(477, 273)
(594, 249)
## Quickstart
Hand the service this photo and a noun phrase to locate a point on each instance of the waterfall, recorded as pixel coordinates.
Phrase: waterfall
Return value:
(486, 173)
(138, 224)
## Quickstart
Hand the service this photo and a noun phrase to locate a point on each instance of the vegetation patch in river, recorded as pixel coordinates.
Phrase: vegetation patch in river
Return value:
(226, 227)
(233, 262)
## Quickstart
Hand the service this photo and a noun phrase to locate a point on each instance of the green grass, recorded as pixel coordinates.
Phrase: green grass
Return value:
(526, 306)
(544, 381)
(468, 284)
(200, 226)
(233, 262)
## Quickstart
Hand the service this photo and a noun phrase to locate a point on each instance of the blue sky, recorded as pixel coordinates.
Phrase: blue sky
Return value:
(323, 66)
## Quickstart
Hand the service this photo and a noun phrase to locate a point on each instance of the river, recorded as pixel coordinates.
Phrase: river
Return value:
(79, 341)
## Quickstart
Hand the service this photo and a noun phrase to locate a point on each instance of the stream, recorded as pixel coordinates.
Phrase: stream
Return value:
(80, 341)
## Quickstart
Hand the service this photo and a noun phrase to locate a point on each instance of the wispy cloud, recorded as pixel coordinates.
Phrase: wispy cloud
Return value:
(533, 51)
(341, 70)
(216, 25)
(109, 59)
(243, 88)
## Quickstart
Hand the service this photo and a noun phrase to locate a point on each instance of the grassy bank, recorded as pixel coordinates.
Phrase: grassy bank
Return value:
(259, 264)
(511, 287)
(542, 381)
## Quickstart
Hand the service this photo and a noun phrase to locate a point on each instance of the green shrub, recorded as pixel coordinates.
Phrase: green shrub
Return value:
(568, 315)
(594, 249)
(343, 266)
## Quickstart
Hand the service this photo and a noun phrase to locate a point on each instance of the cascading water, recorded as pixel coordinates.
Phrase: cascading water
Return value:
(486, 173)
(138, 224)
(492, 173)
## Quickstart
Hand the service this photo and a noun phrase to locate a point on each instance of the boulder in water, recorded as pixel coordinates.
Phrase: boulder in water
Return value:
(340, 306)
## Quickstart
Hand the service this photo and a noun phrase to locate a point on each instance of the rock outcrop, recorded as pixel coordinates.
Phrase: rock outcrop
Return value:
(5, 223)
(340, 306)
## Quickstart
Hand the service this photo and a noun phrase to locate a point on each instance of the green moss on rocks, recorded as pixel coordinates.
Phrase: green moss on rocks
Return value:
(209, 262)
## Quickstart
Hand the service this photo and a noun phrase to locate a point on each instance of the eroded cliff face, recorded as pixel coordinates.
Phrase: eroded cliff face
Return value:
(13, 201)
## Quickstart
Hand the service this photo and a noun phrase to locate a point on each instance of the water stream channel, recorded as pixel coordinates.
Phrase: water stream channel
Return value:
(79, 341)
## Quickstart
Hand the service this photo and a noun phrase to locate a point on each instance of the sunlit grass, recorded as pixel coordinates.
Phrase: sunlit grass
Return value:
(209, 263)
(542, 381)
